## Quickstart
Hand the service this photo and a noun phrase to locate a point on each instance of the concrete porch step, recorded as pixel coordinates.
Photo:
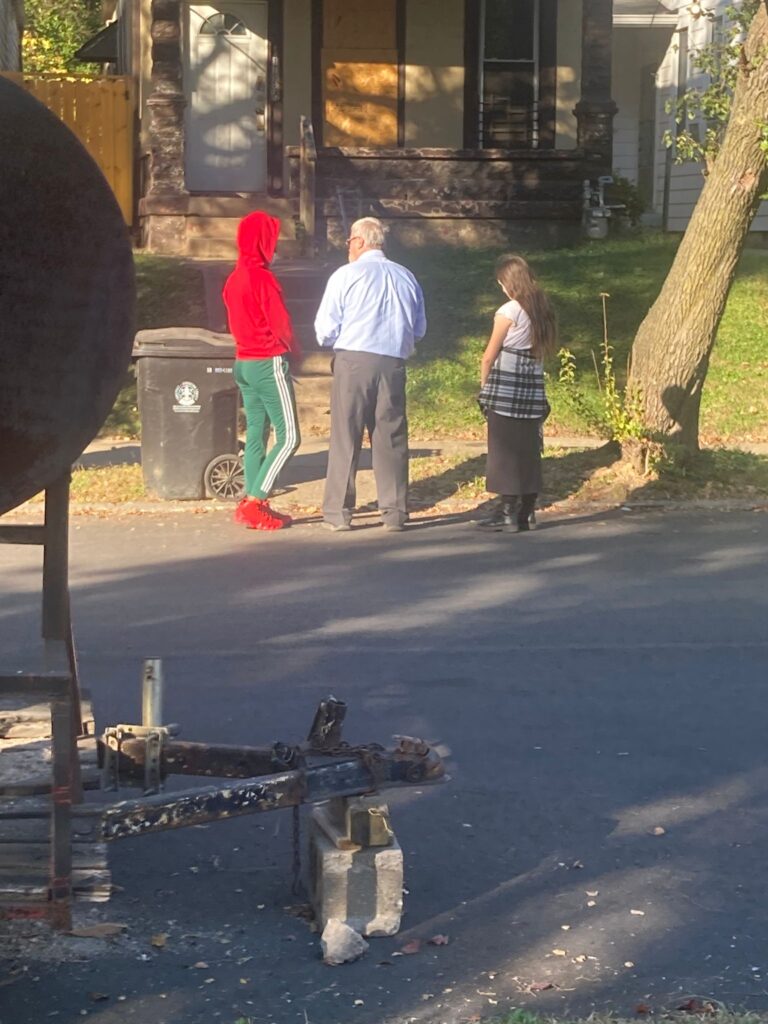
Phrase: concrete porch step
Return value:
(212, 223)
(226, 226)
(202, 246)
(302, 282)
(316, 365)
(302, 310)
(242, 204)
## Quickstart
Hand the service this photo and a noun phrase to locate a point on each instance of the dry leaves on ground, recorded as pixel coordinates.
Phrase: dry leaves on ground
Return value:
(698, 1006)
(540, 986)
(411, 947)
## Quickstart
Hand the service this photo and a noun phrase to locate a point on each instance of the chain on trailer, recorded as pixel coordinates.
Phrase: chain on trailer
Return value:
(282, 775)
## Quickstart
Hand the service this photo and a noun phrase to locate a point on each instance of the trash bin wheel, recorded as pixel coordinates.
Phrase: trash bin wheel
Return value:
(224, 477)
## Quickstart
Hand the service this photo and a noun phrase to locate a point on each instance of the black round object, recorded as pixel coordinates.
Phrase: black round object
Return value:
(67, 297)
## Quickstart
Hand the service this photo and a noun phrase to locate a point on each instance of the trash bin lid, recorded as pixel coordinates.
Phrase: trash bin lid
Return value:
(183, 343)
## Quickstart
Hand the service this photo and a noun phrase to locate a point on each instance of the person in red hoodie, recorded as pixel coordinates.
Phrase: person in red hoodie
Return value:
(265, 350)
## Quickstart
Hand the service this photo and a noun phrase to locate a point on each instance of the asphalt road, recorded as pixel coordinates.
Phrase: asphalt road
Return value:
(589, 683)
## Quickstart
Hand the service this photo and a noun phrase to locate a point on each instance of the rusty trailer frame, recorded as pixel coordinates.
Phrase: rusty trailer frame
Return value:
(270, 778)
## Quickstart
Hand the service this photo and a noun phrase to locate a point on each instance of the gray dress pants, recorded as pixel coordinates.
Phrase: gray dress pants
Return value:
(368, 393)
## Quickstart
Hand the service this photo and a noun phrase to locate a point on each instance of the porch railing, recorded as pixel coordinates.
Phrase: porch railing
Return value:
(505, 126)
(307, 181)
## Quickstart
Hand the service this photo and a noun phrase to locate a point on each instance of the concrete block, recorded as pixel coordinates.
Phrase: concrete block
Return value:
(361, 887)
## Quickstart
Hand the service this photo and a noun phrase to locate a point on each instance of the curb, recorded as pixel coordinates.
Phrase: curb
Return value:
(564, 507)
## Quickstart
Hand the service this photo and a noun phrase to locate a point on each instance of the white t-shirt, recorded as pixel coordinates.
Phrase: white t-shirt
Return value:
(518, 336)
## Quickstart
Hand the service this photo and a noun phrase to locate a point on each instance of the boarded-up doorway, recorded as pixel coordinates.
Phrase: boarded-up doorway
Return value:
(360, 73)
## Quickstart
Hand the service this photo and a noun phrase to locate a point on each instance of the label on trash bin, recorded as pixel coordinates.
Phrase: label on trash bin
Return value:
(186, 395)
(218, 369)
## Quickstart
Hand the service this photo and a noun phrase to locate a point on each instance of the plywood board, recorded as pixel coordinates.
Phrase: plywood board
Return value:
(359, 24)
(360, 97)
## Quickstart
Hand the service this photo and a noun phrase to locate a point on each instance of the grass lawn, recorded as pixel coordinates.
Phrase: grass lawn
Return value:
(462, 296)
(169, 293)
(702, 1009)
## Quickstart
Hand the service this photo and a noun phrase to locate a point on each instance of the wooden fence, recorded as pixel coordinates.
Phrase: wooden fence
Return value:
(101, 112)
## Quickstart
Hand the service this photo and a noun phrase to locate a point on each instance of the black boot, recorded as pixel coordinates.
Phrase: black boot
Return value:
(526, 516)
(504, 518)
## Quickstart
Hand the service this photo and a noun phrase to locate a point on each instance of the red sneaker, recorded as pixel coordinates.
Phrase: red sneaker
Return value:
(239, 515)
(257, 515)
(287, 520)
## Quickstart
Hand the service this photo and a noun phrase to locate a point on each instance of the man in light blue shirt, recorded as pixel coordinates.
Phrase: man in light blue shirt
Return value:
(372, 314)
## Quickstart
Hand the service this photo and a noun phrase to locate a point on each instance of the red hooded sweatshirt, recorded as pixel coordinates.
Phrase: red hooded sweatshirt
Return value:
(258, 318)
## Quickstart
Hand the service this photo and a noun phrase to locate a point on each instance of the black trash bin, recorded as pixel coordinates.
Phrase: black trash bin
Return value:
(188, 404)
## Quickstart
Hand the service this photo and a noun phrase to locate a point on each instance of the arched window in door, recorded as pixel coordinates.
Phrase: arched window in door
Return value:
(222, 25)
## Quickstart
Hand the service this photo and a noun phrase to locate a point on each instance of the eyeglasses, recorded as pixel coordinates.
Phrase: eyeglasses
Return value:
(351, 239)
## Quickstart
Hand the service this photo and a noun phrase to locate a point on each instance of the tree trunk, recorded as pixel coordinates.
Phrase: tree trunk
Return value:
(670, 354)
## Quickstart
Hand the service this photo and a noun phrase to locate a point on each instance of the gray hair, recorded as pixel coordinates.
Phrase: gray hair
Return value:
(371, 230)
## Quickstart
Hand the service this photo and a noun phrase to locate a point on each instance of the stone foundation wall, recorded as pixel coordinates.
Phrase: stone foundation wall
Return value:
(461, 197)
(454, 197)
(448, 175)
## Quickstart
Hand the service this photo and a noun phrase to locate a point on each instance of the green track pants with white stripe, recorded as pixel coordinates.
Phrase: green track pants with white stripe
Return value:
(268, 398)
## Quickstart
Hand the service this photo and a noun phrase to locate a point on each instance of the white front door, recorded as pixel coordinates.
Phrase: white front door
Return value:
(226, 89)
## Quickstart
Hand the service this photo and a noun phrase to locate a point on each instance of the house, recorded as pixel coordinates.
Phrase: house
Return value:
(456, 120)
(674, 188)
(11, 26)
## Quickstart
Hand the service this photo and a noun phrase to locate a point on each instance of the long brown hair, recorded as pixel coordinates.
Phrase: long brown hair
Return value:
(519, 281)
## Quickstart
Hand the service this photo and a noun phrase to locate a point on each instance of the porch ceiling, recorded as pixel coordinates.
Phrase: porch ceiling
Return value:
(645, 12)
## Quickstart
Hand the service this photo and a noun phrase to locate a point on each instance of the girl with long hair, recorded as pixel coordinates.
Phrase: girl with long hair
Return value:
(513, 396)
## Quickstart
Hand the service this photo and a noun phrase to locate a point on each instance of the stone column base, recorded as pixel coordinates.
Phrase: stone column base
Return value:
(166, 236)
(163, 221)
(594, 132)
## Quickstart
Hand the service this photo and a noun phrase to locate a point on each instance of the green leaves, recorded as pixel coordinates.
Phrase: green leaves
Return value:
(54, 30)
(701, 114)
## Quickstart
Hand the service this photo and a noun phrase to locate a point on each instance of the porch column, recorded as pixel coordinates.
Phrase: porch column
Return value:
(163, 210)
(595, 110)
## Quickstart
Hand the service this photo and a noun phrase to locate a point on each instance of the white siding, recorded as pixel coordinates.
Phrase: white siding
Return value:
(625, 146)
(685, 185)
(685, 180)
(625, 94)
(637, 53)
(666, 79)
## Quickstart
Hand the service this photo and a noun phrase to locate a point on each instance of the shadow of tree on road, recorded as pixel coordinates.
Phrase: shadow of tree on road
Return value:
(589, 688)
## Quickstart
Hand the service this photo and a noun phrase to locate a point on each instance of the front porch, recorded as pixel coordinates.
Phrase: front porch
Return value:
(421, 115)
(451, 196)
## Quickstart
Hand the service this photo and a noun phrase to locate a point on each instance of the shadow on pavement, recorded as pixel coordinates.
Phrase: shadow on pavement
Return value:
(594, 690)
